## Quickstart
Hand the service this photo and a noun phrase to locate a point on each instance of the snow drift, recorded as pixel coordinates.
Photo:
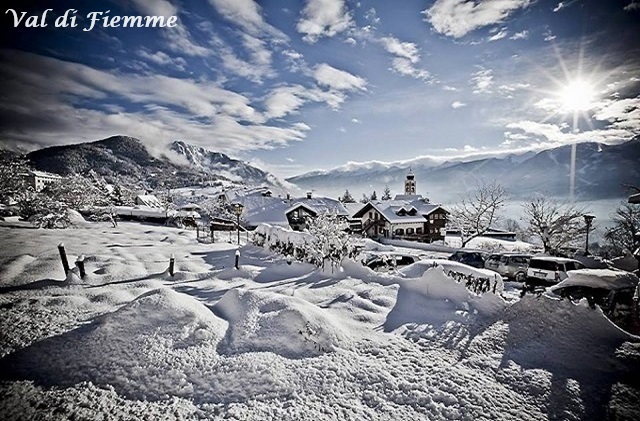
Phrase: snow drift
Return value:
(271, 322)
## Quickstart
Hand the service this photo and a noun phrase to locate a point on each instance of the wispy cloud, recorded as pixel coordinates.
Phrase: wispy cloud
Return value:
(482, 81)
(456, 18)
(406, 56)
(339, 80)
(323, 18)
(499, 35)
(247, 15)
(457, 104)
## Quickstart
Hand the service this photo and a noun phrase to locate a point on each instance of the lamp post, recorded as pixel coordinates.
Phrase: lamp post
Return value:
(588, 219)
(237, 209)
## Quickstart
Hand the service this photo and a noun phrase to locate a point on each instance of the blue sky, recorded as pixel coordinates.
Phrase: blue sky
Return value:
(296, 86)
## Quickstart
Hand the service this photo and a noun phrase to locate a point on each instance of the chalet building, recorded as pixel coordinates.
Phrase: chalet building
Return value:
(299, 214)
(38, 180)
(494, 233)
(408, 217)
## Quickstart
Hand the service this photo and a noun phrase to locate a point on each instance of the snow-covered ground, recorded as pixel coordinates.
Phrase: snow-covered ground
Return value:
(281, 341)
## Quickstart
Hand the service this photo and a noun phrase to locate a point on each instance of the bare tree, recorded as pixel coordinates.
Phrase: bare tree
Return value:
(556, 223)
(478, 211)
(626, 224)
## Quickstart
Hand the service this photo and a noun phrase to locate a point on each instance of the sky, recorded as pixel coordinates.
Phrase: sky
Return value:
(296, 86)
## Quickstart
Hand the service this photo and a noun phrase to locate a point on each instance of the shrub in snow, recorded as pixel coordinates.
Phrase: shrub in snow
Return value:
(325, 241)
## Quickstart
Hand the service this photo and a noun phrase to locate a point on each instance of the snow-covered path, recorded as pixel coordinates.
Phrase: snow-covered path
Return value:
(279, 341)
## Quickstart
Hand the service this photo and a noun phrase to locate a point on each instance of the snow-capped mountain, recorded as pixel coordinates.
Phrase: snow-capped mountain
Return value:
(128, 160)
(601, 172)
(222, 165)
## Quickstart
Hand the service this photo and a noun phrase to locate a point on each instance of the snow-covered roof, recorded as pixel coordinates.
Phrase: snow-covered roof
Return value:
(353, 208)
(44, 174)
(148, 200)
(320, 205)
(398, 211)
(409, 197)
(599, 278)
(191, 207)
(634, 198)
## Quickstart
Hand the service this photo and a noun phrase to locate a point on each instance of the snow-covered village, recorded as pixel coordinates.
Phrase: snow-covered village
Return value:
(320, 210)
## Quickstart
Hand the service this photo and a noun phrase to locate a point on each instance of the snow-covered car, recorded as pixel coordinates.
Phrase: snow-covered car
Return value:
(473, 258)
(455, 269)
(615, 292)
(389, 261)
(510, 265)
(550, 270)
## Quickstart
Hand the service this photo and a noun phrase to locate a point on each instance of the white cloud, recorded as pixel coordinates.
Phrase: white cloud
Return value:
(457, 18)
(520, 35)
(337, 79)
(155, 108)
(482, 81)
(458, 104)
(163, 59)
(342, 130)
(634, 5)
(502, 34)
(323, 18)
(450, 88)
(256, 69)
(246, 14)
(407, 55)
(355, 120)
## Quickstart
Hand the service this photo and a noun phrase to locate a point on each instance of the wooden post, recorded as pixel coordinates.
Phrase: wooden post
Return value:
(237, 259)
(197, 232)
(172, 261)
(213, 237)
(80, 265)
(63, 257)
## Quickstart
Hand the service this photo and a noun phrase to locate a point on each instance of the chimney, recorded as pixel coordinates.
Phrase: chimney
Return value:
(308, 195)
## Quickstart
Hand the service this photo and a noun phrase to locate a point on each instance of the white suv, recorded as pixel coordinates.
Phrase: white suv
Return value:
(550, 270)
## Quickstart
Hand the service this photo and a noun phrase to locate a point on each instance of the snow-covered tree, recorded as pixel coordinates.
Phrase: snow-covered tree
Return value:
(13, 183)
(347, 198)
(556, 223)
(42, 210)
(621, 236)
(477, 211)
(374, 196)
(364, 199)
(330, 242)
(386, 194)
(79, 192)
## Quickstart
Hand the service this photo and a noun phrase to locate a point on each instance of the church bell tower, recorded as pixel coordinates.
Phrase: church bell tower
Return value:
(410, 184)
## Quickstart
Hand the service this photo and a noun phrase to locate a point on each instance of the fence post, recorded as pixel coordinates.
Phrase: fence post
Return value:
(197, 232)
(63, 257)
(80, 265)
(172, 261)
(213, 237)
(237, 259)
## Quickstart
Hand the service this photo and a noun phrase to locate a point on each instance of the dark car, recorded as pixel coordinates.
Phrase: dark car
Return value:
(386, 262)
(471, 258)
(615, 292)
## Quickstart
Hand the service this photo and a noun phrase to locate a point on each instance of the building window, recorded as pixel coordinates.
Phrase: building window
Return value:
(399, 231)
(418, 230)
(409, 231)
(370, 215)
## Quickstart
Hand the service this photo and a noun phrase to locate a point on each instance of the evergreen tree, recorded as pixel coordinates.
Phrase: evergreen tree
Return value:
(364, 199)
(347, 198)
(374, 196)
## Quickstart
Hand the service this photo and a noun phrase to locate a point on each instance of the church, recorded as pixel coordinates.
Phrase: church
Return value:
(408, 216)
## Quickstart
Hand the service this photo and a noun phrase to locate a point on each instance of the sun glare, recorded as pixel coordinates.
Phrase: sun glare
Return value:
(577, 95)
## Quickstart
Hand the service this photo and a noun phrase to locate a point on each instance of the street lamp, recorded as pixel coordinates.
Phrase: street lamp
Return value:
(237, 210)
(588, 219)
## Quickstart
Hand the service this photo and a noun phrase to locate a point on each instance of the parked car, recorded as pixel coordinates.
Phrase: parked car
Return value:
(389, 261)
(470, 257)
(550, 270)
(510, 265)
(616, 292)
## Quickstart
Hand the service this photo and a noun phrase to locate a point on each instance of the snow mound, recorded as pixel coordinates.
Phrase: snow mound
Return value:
(148, 349)
(435, 299)
(270, 322)
(418, 268)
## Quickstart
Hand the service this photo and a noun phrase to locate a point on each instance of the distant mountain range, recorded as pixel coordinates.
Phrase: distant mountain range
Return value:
(601, 172)
(128, 160)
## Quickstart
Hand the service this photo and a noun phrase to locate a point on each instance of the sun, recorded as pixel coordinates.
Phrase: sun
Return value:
(577, 95)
